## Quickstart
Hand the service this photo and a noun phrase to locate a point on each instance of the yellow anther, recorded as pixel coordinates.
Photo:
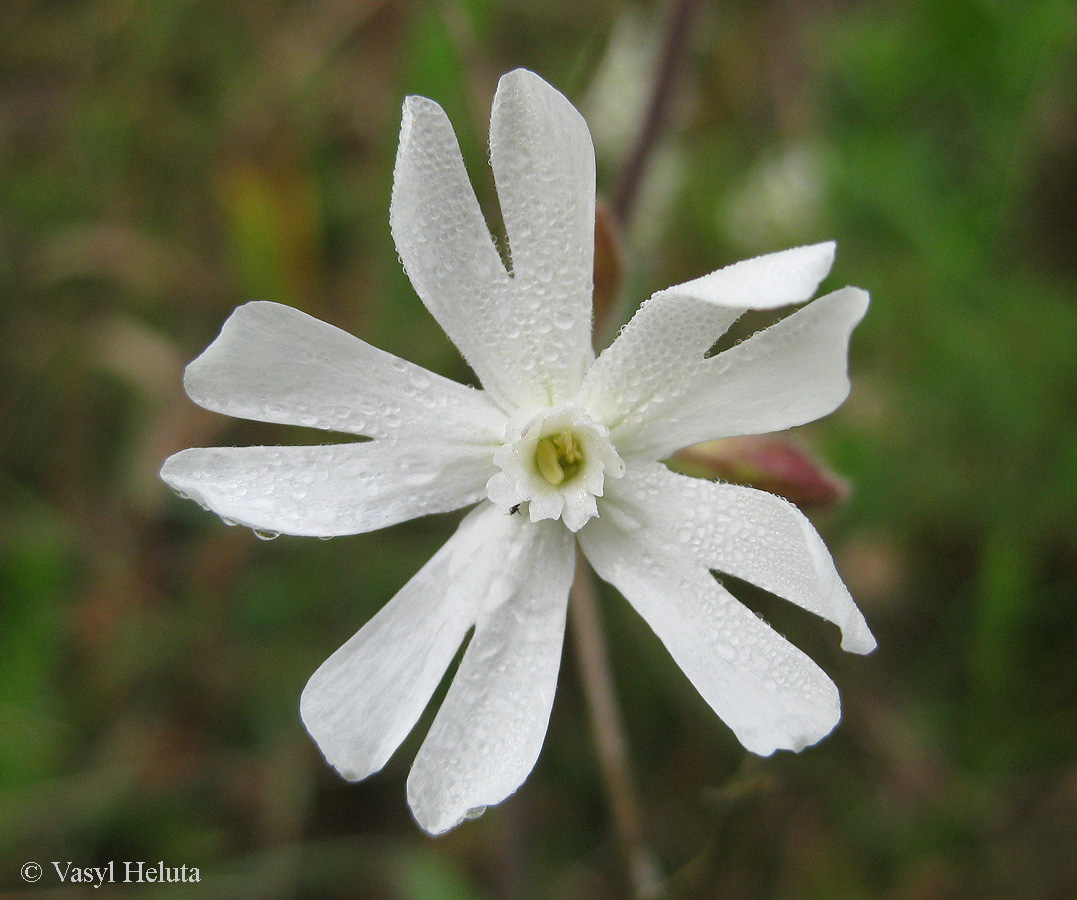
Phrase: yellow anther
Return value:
(546, 457)
(567, 447)
(558, 457)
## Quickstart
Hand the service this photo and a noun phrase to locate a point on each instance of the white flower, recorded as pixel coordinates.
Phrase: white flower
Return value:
(558, 446)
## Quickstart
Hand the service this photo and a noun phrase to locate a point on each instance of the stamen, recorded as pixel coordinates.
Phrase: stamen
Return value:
(546, 458)
(555, 462)
(558, 456)
(569, 449)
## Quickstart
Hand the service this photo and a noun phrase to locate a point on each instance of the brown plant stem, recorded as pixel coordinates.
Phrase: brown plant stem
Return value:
(609, 737)
(676, 37)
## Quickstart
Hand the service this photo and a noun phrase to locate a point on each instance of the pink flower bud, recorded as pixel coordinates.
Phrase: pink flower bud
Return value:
(772, 464)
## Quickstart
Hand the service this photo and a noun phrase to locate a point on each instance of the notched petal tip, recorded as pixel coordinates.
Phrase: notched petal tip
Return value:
(795, 735)
(437, 822)
(858, 639)
(846, 307)
(436, 827)
(434, 820)
(856, 636)
(210, 377)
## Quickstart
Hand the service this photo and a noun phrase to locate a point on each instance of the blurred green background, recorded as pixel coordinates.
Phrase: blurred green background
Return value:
(163, 161)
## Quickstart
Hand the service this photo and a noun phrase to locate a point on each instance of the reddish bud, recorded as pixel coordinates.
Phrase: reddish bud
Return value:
(776, 465)
(609, 267)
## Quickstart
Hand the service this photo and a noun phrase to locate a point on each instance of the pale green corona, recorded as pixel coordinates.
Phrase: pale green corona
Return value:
(558, 456)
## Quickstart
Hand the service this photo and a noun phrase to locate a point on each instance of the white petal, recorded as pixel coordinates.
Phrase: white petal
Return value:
(764, 282)
(450, 257)
(544, 166)
(273, 363)
(769, 692)
(363, 701)
(751, 534)
(659, 356)
(793, 372)
(488, 732)
(333, 489)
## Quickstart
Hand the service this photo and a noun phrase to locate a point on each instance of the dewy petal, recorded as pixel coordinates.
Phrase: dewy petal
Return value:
(793, 372)
(363, 701)
(750, 534)
(498, 323)
(765, 282)
(332, 489)
(445, 244)
(659, 357)
(768, 691)
(488, 732)
(544, 167)
(273, 363)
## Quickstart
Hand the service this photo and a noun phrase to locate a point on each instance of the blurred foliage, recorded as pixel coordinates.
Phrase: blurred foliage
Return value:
(163, 162)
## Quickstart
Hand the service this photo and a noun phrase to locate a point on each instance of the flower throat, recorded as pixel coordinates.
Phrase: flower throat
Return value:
(559, 457)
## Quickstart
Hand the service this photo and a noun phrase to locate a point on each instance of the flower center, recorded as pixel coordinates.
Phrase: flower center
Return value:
(559, 457)
(556, 462)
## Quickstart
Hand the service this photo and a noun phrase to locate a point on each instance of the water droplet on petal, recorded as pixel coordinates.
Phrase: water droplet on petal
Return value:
(417, 479)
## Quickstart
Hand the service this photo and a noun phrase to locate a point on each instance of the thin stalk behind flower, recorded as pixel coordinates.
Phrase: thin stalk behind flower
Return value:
(610, 744)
